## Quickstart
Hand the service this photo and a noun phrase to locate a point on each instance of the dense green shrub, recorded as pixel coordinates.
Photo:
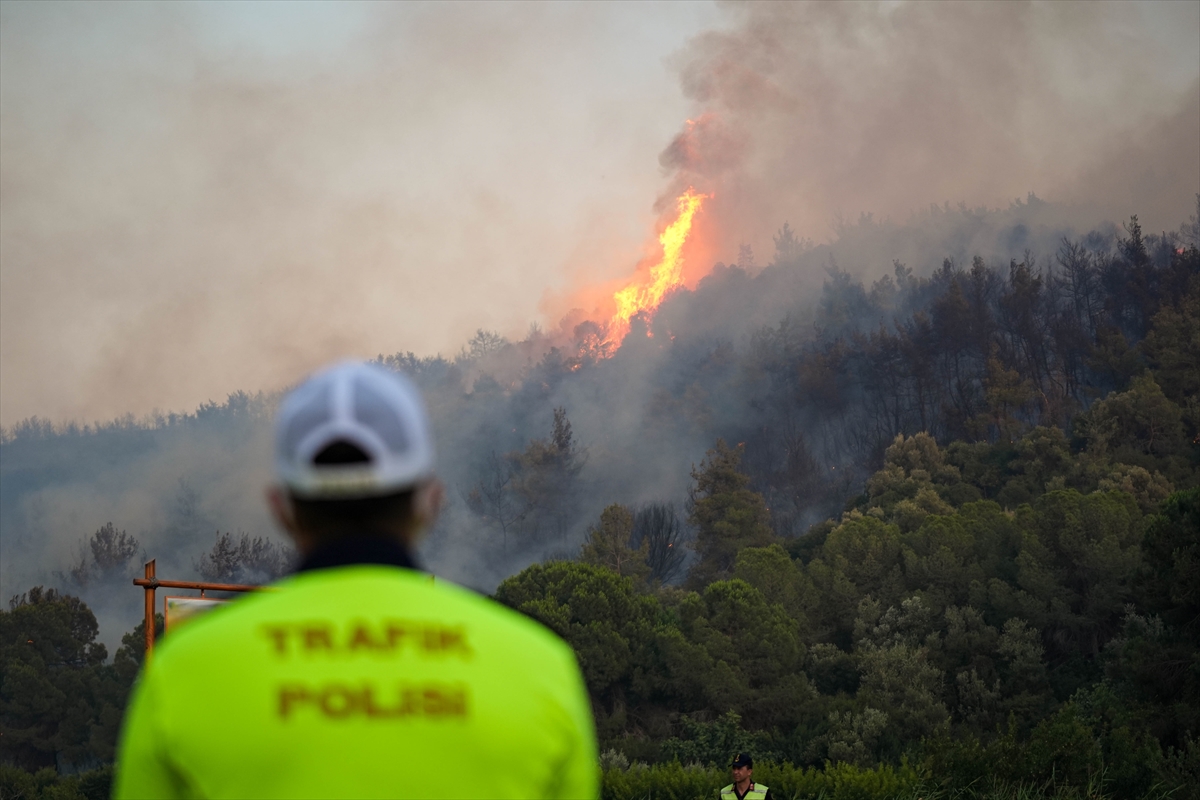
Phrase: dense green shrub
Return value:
(46, 784)
(674, 781)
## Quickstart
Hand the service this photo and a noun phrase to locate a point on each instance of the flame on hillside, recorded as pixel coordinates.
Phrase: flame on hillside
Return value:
(646, 291)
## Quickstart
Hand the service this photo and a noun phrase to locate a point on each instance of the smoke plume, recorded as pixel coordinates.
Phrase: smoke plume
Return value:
(241, 220)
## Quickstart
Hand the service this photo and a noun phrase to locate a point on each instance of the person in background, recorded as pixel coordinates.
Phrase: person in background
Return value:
(358, 676)
(743, 786)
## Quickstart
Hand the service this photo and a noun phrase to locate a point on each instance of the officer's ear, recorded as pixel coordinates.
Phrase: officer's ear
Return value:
(427, 503)
(281, 509)
(284, 512)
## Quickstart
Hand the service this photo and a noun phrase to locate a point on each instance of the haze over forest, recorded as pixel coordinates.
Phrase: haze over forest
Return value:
(826, 375)
(206, 198)
(190, 225)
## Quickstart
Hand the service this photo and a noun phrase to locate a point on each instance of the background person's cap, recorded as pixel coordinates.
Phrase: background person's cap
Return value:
(366, 406)
(742, 760)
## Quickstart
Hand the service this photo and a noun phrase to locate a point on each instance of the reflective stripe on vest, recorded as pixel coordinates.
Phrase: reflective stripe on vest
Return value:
(757, 791)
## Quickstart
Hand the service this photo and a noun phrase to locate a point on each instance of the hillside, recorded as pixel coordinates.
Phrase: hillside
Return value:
(946, 517)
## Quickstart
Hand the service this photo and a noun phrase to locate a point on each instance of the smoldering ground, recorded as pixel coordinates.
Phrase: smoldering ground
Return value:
(880, 134)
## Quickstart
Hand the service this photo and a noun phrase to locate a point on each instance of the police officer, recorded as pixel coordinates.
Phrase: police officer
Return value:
(358, 676)
(743, 786)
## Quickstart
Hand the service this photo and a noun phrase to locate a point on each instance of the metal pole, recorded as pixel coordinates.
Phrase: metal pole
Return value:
(151, 584)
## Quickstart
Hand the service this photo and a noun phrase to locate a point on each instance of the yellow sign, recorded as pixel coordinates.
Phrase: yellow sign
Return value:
(177, 610)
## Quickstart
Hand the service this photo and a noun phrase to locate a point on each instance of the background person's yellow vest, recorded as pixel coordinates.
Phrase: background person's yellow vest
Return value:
(361, 681)
(757, 792)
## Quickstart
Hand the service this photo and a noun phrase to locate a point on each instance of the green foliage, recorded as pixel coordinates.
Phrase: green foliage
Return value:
(1078, 557)
(1004, 648)
(1087, 744)
(676, 781)
(59, 702)
(46, 784)
(754, 653)
(1008, 601)
(598, 612)
(1017, 613)
(1171, 571)
(713, 743)
(609, 545)
(854, 736)
(1134, 424)
(133, 644)
(727, 514)
(772, 571)
(869, 554)
(529, 496)
(1172, 348)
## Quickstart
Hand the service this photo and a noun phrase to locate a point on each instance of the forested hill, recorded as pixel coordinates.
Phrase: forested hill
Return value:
(999, 322)
(1010, 602)
(947, 515)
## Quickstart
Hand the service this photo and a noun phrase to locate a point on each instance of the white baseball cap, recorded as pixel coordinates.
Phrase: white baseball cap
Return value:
(375, 410)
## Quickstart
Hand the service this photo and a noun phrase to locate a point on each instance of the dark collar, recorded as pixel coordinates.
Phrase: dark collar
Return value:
(363, 549)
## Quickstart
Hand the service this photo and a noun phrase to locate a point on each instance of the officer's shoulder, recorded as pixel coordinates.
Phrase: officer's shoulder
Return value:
(361, 588)
(500, 617)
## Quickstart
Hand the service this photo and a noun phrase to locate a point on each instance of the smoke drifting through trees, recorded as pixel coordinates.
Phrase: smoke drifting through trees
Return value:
(808, 379)
(191, 217)
(241, 559)
(811, 363)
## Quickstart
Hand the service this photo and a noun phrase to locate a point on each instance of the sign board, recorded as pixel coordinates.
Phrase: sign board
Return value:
(177, 610)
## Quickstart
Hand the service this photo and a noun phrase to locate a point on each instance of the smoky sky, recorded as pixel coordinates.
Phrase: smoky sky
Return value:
(812, 112)
(201, 198)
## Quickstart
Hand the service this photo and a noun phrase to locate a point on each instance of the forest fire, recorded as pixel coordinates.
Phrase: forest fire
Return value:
(647, 290)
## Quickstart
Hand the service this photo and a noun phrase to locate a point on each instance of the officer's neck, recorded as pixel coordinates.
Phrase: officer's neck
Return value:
(403, 532)
(743, 785)
(343, 551)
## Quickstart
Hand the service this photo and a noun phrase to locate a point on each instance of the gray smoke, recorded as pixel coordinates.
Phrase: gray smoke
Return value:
(913, 132)
(810, 112)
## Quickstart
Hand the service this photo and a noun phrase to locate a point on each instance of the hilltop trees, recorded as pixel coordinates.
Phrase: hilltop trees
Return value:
(110, 554)
(531, 495)
(726, 513)
(605, 620)
(1011, 609)
(981, 354)
(657, 528)
(959, 526)
(609, 545)
(240, 559)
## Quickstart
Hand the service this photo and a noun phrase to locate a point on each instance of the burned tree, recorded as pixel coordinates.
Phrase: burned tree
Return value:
(240, 559)
(110, 552)
(657, 528)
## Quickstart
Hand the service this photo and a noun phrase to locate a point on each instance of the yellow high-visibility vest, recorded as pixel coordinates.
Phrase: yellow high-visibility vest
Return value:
(360, 681)
(757, 791)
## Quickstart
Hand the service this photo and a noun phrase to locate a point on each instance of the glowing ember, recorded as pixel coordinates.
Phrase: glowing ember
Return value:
(648, 290)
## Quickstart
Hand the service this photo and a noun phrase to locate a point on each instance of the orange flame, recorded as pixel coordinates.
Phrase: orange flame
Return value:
(647, 292)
